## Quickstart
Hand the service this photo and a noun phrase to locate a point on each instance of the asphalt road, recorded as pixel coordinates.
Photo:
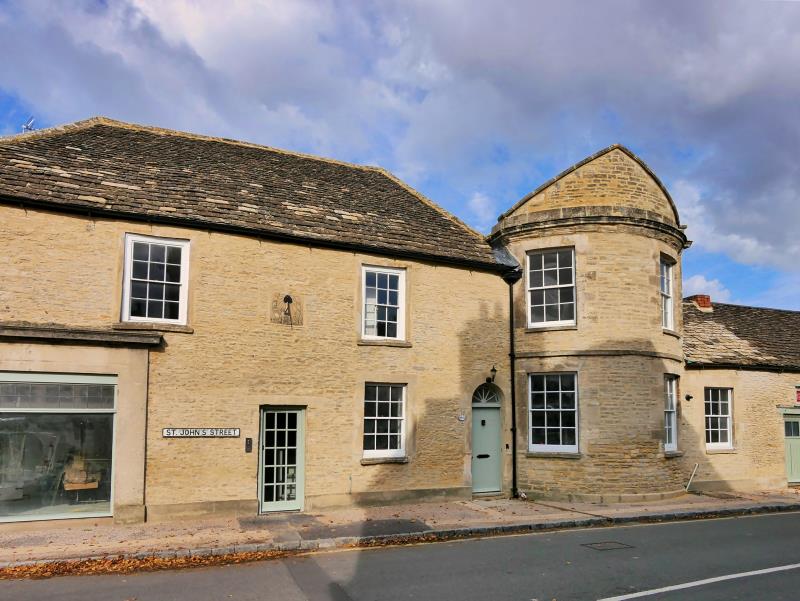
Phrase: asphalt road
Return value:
(539, 567)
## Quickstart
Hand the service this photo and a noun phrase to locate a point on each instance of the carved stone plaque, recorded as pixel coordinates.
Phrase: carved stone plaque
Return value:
(286, 309)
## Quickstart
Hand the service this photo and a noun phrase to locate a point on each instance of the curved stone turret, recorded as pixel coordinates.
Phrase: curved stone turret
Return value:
(596, 242)
(613, 178)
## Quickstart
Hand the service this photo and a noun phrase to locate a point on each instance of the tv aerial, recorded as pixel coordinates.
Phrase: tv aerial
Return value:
(28, 125)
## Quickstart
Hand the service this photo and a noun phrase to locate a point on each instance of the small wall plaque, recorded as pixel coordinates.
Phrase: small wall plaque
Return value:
(200, 432)
(286, 309)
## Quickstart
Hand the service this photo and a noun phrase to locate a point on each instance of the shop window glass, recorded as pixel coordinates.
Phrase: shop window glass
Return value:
(56, 444)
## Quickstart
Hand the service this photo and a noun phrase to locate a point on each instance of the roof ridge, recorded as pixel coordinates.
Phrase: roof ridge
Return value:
(688, 300)
(427, 201)
(55, 129)
(102, 120)
(589, 159)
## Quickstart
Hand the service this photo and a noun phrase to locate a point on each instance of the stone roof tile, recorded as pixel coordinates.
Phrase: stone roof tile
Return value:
(131, 171)
(735, 335)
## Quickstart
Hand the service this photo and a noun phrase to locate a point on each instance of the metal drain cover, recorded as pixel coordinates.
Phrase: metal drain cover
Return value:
(607, 546)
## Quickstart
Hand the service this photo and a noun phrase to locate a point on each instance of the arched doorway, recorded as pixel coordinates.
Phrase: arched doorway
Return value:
(487, 460)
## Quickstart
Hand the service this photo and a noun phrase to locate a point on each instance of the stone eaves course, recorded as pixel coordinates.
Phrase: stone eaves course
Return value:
(738, 336)
(129, 171)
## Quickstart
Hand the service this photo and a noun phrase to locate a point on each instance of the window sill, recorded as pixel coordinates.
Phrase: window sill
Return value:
(152, 327)
(379, 460)
(395, 343)
(669, 332)
(730, 451)
(573, 326)
(671, 454)
(553, 455)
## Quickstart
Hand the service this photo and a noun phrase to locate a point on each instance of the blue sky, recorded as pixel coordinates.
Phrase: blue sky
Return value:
(474, 104)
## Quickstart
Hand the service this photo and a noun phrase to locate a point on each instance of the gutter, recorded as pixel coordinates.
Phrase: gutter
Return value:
(512, 277)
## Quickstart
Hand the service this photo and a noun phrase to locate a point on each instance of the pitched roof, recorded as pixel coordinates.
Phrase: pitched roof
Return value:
(588, 160)
(738, 336)
(136, 172)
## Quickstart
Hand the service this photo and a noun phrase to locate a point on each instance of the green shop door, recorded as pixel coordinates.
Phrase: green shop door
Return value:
(487, 462)
(281, 480)
(791, 426)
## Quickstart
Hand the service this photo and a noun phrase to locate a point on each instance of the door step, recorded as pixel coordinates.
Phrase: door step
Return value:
(489, 496)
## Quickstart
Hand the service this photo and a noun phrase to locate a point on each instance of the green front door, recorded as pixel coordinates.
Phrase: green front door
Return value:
(281, 480)
(791, 427)
(487, 462)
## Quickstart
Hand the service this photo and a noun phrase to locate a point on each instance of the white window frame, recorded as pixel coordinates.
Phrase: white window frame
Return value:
(529, 289)
(549, 448)
(401, 301)
(729, 416)
(666, 288)
(67, 378)
(670, 412)
(183, 300)
(386, 453)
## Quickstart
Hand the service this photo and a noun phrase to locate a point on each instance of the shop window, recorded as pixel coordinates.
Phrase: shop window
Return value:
(56, 443)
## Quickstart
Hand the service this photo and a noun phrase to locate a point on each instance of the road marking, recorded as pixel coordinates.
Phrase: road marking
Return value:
(677, 587)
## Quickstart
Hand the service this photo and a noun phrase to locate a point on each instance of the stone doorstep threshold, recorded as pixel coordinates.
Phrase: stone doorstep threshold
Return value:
(228, 553)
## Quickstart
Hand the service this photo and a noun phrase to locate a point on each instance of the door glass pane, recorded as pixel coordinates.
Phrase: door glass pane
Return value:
(280, 456)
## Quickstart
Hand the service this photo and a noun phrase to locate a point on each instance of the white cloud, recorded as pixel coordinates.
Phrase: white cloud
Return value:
(491, 97)
(483, 209)
(705, 233)
(698, 284)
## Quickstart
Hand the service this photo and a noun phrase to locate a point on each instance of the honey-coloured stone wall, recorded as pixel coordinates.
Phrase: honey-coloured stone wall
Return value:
(756, 460)
(620, 223)
(234, 359)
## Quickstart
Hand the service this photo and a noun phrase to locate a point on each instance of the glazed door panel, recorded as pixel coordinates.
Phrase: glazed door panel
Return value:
(281, 477)
(792, 441)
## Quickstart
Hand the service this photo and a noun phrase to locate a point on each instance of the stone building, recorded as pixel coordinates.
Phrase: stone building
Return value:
(743, 374)
(192, 325)
(598, 245)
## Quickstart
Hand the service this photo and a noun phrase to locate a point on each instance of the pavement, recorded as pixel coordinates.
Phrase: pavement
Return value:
(728, 559)
(369, 526)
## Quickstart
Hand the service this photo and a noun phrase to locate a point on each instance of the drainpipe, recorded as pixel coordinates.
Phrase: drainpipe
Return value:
(511, 278)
